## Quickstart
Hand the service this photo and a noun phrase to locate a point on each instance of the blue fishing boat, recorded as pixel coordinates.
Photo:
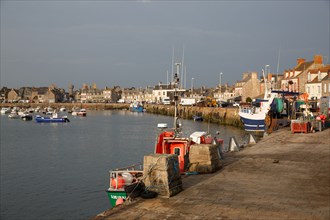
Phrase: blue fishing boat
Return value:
(53, 119)
(136, 107)
(197, 118)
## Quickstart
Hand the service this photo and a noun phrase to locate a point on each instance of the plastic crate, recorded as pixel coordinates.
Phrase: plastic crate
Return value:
(300, 126)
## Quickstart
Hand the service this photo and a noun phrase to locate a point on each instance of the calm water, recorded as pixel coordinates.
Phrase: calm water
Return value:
(60, 171)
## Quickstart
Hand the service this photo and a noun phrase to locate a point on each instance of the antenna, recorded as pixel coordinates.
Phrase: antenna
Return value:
(182, 66)
(172, 62)
(166, 77)
(185, 76)
(278, 65)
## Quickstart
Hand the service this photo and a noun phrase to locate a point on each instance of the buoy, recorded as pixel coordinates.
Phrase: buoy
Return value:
(118, 182)
(233, 145)
(119, 201)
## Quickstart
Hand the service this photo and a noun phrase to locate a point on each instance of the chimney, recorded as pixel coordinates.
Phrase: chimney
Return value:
(254, 75)
(245, 75)
(300, 61)
(318, 59)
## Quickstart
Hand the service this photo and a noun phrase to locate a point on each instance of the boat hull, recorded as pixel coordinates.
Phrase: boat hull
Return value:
(113, 195)
(51, 120)
(197, 118)
(137, 109)
(253, 123)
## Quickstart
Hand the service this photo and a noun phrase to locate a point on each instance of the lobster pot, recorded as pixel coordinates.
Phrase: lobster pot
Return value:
(162, 174)
(204, 158)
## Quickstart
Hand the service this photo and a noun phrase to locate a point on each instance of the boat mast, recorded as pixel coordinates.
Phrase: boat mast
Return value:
(176, 97)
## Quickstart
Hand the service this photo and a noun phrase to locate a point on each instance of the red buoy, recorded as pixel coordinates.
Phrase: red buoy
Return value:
(119, 201)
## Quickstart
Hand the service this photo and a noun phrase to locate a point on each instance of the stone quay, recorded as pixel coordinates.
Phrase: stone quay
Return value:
(283, 176)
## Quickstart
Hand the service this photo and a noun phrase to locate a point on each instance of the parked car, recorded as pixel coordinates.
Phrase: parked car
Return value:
(236, 104)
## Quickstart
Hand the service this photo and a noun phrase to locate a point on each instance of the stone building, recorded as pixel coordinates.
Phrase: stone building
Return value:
(249, 86)
(295, 79)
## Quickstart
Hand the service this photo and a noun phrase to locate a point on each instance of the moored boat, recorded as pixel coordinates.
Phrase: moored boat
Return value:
(258, 115)
(171, 142)
(197, 118)
(13, 115)
(82, 112)
(124, 182)
(52, 119)
(5, 110)
(136, 107)
(26, 117)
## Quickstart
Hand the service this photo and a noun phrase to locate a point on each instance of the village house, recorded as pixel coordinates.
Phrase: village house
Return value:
(225, 93)
(111, 95)
(38, 95)
(90, 94)
(295, 79)
(316, 85)
(163, 91)
(249, 86)
(4, 94)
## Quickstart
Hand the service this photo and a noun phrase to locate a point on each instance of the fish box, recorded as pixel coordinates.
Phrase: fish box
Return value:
(298, 126)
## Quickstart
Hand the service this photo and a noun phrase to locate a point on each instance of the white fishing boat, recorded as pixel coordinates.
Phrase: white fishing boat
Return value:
(5, 110)
(258, 115)
(13, 115)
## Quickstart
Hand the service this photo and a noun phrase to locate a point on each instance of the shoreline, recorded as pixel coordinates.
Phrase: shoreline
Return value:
(283, 176)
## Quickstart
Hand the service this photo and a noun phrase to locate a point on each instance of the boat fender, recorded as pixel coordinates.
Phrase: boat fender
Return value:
(148, 194)
(119, 201)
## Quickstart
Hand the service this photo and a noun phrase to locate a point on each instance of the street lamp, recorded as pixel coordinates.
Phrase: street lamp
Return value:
(192, 85)
(267, 66)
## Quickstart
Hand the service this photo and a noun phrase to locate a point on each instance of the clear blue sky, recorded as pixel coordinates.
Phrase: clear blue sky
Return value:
(130, 43)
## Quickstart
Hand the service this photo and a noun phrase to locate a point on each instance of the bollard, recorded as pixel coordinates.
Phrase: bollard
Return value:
(252, 139)
(233, 145)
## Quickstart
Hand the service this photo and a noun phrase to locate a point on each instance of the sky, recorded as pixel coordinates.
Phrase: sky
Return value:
(131, 43)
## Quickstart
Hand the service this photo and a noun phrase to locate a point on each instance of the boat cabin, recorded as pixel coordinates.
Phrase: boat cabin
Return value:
(168, 143)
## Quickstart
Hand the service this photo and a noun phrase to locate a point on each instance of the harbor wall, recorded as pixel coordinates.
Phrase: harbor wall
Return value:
(223, 116)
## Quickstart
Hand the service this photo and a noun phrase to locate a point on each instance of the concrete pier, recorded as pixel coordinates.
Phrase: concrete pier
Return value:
(284, 176)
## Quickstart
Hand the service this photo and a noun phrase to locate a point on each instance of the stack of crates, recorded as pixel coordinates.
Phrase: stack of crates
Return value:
(162, 174)
(204, 158)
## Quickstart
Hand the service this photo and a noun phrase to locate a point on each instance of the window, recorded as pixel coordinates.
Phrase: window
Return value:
(177, 151)
(318, 89)
(308, 90)
(325, 88)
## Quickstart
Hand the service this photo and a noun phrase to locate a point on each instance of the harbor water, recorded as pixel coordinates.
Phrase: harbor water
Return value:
(60, 170)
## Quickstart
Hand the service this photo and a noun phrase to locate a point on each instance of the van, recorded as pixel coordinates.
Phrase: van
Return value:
(166, 101)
